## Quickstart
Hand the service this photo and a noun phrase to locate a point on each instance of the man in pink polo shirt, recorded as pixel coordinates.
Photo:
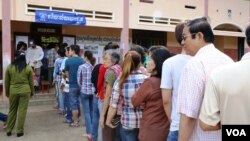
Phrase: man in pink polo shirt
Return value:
(197, 40)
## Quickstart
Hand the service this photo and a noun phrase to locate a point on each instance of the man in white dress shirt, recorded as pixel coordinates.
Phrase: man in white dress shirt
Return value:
(197, 40)
(34, 56)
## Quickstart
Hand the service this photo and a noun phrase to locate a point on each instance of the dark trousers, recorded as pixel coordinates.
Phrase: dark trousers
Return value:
(3, 117)
(111, 134)
(108, 134)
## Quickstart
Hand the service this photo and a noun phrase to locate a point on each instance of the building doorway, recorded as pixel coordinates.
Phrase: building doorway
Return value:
(147, 38)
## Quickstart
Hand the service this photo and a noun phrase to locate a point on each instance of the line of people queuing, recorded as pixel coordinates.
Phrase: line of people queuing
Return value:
(163, 101)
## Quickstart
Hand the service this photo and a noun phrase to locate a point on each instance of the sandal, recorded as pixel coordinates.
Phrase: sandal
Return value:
(74, 124)
(67, 121)
(4, 125)
(88, 136)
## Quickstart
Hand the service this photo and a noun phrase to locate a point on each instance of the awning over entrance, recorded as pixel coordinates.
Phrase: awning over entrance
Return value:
(228, 33)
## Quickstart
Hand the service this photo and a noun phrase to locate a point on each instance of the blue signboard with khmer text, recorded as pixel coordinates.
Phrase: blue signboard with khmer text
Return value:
(56, 17)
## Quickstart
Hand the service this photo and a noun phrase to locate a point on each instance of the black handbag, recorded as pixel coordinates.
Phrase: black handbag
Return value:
(116, 121)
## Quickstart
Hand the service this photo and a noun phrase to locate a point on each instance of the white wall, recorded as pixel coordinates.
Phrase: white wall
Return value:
(113, 6)
(164, 9)
(218, 11)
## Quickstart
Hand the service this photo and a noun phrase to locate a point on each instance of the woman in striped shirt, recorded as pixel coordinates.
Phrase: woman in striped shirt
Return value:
(87, 89)
(130, 80)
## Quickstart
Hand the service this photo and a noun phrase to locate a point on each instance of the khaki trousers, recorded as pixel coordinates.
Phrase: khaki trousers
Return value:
(17, 111)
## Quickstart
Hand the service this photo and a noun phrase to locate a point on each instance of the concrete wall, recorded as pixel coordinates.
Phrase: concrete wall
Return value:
(1, 9)
(113, 6)
(164, 9)
(217, 11)
(240, 12)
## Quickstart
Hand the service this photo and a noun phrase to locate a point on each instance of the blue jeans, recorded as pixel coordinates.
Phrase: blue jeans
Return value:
(60, 97)
(50, 75)
(173, 136)
(95, 118)
(87, 110)
(74, 94)
(67, 106)
(100, 105)
(3, 117)
(118, 133)
(130, 134)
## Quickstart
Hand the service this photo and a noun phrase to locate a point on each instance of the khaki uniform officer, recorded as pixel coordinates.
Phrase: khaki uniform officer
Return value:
(19, 87)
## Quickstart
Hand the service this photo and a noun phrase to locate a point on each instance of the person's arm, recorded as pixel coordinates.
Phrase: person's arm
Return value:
(31, 81)
(210, 110)
(110, 116)
(63, 65)
(79, 76)
(48, 54)
(113, 105)
(63, 82)
(105, 104)
(67, 68)
(7, 82)
(167, 86)
(100, 82)
(94, 76)
(190, 96)
(141, 95)
(41, 54)
(27, 56)
(167, 101)
(207, 127)
(55, 70)
(186, 127)
(109, 80)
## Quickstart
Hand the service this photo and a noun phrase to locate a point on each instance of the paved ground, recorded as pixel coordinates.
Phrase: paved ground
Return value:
(44, 124)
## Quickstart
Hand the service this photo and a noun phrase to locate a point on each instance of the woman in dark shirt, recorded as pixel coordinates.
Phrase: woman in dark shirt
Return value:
(154, 123)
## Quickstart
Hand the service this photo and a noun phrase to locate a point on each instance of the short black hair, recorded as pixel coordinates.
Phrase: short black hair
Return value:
(201, 25)
(75, 48)
(145, 50)
(51, 45)
(139, 49)
(248, 35)
(111, 45)
(115, 57)
(90, 57)
(154, 47)
(178, 32)
(20, 44)
(63, 45)
(61, 52)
